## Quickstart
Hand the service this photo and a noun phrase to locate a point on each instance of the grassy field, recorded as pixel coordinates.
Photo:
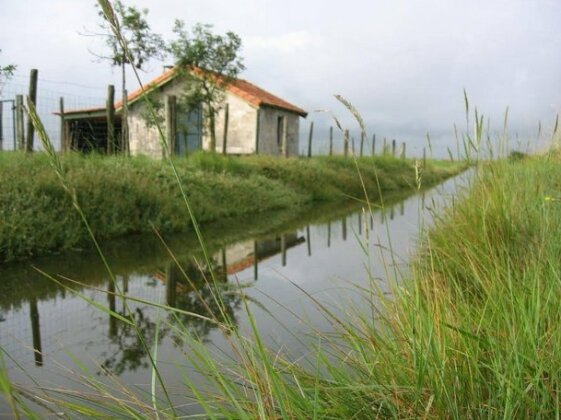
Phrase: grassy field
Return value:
(121, 196)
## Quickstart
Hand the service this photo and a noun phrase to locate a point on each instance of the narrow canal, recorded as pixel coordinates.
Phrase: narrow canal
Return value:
(328, 253)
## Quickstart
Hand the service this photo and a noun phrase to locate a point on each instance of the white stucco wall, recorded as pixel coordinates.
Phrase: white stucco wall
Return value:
(242, 125)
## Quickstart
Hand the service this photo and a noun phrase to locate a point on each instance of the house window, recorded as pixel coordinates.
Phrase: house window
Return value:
(280, 131)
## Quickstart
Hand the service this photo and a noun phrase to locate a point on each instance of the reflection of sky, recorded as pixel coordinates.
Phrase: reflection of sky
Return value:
(70, 326)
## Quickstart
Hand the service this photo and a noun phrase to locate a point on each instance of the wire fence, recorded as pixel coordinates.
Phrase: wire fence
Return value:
(322, 139)
(47, 104)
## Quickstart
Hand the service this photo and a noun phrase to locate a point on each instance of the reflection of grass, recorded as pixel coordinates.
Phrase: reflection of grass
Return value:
(475, 334)
(144, 253)
(123, 196)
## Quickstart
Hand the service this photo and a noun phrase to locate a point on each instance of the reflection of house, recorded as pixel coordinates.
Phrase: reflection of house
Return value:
(236, 258)
(245, 254)
(256, 124)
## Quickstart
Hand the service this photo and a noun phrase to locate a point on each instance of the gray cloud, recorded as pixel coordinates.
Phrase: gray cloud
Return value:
(403, 63)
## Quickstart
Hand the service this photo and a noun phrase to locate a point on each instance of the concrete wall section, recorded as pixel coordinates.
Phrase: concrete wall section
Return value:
(242, 125)
(144, 139)
(270, 141)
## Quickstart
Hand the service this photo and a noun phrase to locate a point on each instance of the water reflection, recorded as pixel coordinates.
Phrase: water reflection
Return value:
(42, 318)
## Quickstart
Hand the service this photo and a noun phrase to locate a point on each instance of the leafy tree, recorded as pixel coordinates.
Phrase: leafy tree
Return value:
(209, 62)
(6, 72)
(130, 41)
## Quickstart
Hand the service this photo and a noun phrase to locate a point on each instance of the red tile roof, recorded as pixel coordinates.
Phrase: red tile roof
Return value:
(249, 92)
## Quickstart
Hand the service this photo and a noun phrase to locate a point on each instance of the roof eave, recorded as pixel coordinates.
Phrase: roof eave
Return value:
(299, 112)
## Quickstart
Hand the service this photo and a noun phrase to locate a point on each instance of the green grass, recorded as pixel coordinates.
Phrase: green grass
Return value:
(121, 196)
(474, 333)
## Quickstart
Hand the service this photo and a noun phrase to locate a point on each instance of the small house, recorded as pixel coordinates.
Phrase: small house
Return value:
(255, 121)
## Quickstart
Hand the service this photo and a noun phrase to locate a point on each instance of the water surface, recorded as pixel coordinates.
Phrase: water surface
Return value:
(326, 252)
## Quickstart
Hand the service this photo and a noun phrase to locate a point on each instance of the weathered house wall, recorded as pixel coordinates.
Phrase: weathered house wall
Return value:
(242, 126)
(270, 137)
(143, 138)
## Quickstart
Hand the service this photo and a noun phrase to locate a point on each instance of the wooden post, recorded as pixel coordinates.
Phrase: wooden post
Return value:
(63, 147)
(353, 145)
(346, 143)
(36, 332)
(373, 145)
(224, 266)
(110, 117)
(255, 263)
(344, 228)
(403, 146)
(393, 147)
(226, 121)
(33, 97)
(361, 143)
(113, 328)
(125, 124)
(359, 223)
(1, 126)
(310, 136)
(424, 157)
(331, 141)
(125, 284)
(283, 249)
(257, 129)
(171, 284)
(14, 123)
(171, 123)
(308, 241)
(385, 150)
(285, 137)
(19, 122)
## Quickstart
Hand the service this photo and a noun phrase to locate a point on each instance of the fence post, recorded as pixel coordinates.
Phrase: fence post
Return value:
(310, 136)
(346, 143)
(285, 137)
(373, 145)
(125, 123)
(403, 146)
(283, 249)
(1, 126)
(63, 147)
(424, 157)
(110, 119)
(226, 121)
(33, 97)
(171, 123)
(331, 141)
(353, 145)
(361, 143)
(385, 149)
(20, 135)
(308, 241)
(257, 129)
(393, 147)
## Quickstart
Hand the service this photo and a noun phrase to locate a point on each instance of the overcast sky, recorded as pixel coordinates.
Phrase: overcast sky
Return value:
(403, 63)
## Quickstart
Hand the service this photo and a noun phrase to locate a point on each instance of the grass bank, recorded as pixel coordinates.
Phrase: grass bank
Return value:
(123, 196)
(474, 334)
